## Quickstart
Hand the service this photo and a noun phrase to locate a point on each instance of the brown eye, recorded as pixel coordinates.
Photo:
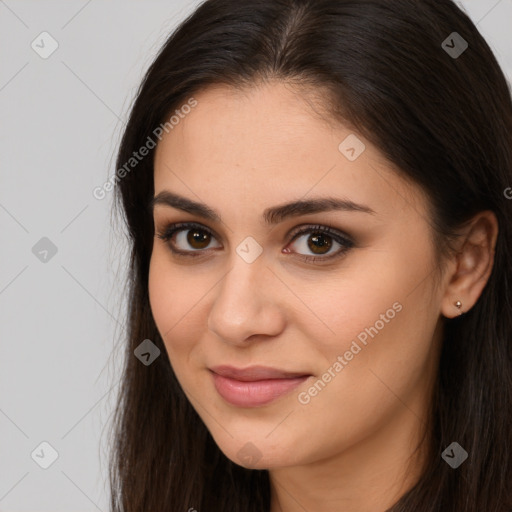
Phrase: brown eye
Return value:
(192, 239)
(319, 243)
(315, 243)
(198, 238)
(187, 239)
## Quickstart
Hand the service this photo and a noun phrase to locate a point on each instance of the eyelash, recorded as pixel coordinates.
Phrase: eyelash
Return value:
(169, 231)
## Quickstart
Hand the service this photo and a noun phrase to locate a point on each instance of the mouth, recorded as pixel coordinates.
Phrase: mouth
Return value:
(254, 386)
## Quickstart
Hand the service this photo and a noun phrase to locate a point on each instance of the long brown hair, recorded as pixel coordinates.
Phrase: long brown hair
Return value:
(440, 110)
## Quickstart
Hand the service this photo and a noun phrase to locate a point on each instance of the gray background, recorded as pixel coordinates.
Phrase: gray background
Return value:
(61, 120)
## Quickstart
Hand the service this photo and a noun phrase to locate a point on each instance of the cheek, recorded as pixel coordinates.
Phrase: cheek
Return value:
(377, 315)
(161, 290)
(175, 304)
(384, 365)
(344, 306)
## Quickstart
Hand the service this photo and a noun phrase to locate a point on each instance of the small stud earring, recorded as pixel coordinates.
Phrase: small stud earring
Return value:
(458, 305)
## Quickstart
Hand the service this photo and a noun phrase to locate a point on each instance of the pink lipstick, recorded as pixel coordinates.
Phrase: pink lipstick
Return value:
(254, 386)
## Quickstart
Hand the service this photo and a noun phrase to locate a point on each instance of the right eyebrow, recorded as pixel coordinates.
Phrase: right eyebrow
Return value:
(272, 215)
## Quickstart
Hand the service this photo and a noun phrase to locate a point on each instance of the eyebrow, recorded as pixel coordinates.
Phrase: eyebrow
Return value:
(272, 215)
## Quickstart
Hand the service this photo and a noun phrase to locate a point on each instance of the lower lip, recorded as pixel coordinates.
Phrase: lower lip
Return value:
(255, 393)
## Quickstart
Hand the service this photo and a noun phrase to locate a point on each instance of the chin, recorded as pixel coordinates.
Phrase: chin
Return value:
(256, 451)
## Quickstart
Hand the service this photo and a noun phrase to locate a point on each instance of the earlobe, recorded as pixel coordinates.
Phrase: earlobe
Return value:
(473, 265)
(453, 310)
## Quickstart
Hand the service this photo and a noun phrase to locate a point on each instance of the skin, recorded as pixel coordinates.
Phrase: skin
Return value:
(352, 447)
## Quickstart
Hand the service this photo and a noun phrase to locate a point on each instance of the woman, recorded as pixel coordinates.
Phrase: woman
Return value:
(320, 299)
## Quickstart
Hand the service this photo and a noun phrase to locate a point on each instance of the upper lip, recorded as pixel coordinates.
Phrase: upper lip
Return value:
(253, 373)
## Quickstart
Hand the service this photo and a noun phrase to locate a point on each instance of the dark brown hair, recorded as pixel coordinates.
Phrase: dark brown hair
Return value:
(444, 121)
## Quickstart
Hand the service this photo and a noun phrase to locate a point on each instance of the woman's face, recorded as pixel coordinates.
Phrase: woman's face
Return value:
(348, 341)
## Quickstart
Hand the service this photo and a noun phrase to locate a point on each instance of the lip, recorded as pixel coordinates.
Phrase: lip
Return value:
(254, 386)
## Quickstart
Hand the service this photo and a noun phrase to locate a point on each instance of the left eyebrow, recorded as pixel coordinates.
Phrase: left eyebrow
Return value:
(279, 213)
(272, 215)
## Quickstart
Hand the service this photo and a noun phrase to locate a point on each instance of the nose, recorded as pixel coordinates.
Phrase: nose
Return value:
(247, 305)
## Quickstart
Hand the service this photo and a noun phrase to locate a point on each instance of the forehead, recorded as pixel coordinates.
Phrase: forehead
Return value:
(270, 142)
(261, 122)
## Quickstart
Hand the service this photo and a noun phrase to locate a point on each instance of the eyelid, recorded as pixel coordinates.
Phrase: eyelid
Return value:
(170, 229)
(339, 237)
(346, 243)
(324, 228)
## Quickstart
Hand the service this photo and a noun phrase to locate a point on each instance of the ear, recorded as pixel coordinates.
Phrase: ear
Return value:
(472, 265)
